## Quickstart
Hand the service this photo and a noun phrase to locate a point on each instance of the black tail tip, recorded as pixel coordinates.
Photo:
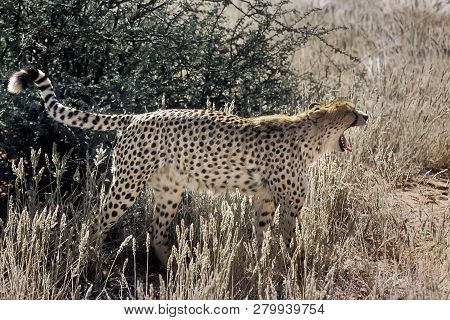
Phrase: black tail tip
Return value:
(20, 80)
(32, 72)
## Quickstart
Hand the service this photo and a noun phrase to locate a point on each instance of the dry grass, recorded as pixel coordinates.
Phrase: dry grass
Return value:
(375, 226)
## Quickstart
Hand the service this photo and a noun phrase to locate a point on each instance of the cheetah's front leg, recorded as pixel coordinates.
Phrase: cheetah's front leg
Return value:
(291, 190)
(265, 209)
(288, 218)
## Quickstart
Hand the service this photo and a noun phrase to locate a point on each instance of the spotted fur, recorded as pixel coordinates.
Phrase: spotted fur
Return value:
(175, 150)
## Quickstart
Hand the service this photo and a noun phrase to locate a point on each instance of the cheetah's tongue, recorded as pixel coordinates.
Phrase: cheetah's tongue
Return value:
(345, 146)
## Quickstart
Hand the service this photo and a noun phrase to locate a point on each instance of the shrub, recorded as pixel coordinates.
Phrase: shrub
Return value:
(133, 56)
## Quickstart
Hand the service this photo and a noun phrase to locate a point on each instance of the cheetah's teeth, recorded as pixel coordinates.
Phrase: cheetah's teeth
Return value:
(343, 144)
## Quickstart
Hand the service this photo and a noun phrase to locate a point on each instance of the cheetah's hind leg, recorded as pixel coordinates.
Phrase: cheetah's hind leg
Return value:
(127, 182)
(168, 195)
(120, 198)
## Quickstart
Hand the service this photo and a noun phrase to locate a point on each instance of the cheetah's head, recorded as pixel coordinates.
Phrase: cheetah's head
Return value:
(334, 119)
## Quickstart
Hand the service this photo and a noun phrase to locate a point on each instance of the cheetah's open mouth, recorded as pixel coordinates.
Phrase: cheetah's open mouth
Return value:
(344, 145)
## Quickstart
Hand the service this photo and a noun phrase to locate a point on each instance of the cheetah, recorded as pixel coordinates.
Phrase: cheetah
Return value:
(177, 150)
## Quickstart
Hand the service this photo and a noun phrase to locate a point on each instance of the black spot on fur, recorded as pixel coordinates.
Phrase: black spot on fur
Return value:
(96, 120)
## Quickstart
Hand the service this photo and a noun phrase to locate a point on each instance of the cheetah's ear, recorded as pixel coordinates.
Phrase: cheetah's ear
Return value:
(313, 105)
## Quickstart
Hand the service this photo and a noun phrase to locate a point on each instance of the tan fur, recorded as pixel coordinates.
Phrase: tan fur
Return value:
(174, 150)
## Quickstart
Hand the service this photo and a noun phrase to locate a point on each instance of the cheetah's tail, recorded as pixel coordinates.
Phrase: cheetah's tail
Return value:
(68, 116)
